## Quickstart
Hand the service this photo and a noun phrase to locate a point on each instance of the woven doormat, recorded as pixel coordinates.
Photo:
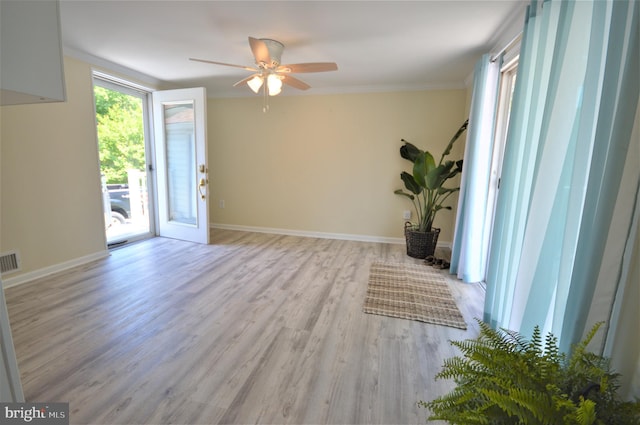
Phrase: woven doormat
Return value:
(411, 291)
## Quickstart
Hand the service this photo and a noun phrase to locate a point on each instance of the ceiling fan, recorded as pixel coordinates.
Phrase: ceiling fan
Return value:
(268, 73)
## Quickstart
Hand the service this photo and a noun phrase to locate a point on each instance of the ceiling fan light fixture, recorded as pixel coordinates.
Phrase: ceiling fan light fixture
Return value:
(274, 83)
(268, 74)
(255, 83)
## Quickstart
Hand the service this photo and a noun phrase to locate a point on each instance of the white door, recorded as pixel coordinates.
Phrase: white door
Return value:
(179, 118)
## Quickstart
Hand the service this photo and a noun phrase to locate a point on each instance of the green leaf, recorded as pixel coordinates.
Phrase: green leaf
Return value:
(443, 190)
(423, 165)
(455, 137)
(436, 177)
(400, 192)
(409, 151)
(410, 183)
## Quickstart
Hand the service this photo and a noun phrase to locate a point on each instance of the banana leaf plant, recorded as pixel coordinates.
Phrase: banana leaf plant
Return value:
(425, 185)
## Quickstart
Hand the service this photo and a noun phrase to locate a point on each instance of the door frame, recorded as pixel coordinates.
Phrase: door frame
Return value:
(112, 82)
(509, 74)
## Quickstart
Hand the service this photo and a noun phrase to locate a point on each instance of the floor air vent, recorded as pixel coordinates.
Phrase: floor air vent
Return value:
(9, 262)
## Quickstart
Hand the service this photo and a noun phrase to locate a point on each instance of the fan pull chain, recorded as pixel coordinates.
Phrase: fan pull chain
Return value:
(265, 99)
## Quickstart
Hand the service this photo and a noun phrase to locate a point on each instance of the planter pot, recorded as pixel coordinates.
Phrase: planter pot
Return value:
(420, 244)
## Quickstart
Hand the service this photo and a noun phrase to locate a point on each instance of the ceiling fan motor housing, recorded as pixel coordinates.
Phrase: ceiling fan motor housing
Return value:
(275, 51)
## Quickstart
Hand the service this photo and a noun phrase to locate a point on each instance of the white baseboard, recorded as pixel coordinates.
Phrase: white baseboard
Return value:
(46, 271)
(322, 235)
(36, 274)
(306, 233)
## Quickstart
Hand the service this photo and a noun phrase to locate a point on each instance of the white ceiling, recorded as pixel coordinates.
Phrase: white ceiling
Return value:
(378, 45)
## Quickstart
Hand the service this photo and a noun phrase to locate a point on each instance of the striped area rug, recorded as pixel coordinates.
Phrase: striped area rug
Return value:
(411, 291)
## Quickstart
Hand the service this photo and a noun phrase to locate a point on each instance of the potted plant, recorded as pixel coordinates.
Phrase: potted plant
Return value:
(426, 191)
(503, 378)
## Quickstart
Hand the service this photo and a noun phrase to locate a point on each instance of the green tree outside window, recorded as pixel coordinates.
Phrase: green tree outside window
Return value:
(120, 134)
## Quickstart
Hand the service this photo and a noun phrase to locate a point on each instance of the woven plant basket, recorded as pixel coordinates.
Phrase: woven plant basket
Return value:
(420, 244)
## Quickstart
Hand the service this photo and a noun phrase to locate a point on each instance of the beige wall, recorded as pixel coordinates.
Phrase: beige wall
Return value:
(50, 185)
(325, 163)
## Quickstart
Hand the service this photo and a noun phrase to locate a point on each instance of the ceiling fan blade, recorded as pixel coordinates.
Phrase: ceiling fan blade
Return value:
(260, 51)
(294, 82)
(309, 67)
(248, 68)
(244, 80)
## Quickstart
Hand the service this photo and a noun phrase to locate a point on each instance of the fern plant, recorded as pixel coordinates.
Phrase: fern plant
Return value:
(503, 378)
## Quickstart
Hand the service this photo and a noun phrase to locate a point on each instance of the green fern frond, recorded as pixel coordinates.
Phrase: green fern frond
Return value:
(586, 412)
(457, 407)
(552, 359)
(580, 349)
(463, 418)
(551, 349)
(485, 357)
(518, 340)
(473, 345)
(539, 407)
(456, 367)
(493, 337)
(456, 398)
(536, 341)
(510, 407)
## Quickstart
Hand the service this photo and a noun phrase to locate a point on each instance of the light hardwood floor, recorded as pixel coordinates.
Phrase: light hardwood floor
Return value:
(254, 328)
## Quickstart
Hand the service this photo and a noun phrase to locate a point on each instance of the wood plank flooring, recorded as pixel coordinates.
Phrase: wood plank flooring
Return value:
(254, 328)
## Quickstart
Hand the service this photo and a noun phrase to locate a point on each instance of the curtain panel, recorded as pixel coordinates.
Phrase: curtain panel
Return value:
(474, 215)
(573, 110)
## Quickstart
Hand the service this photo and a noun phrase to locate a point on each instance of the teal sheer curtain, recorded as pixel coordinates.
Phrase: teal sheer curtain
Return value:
(573, 110)
(473, 220)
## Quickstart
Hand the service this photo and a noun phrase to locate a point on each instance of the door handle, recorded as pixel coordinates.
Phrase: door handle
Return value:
(201, 185)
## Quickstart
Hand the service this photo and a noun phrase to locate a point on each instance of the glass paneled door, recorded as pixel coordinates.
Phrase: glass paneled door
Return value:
(182, 171)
